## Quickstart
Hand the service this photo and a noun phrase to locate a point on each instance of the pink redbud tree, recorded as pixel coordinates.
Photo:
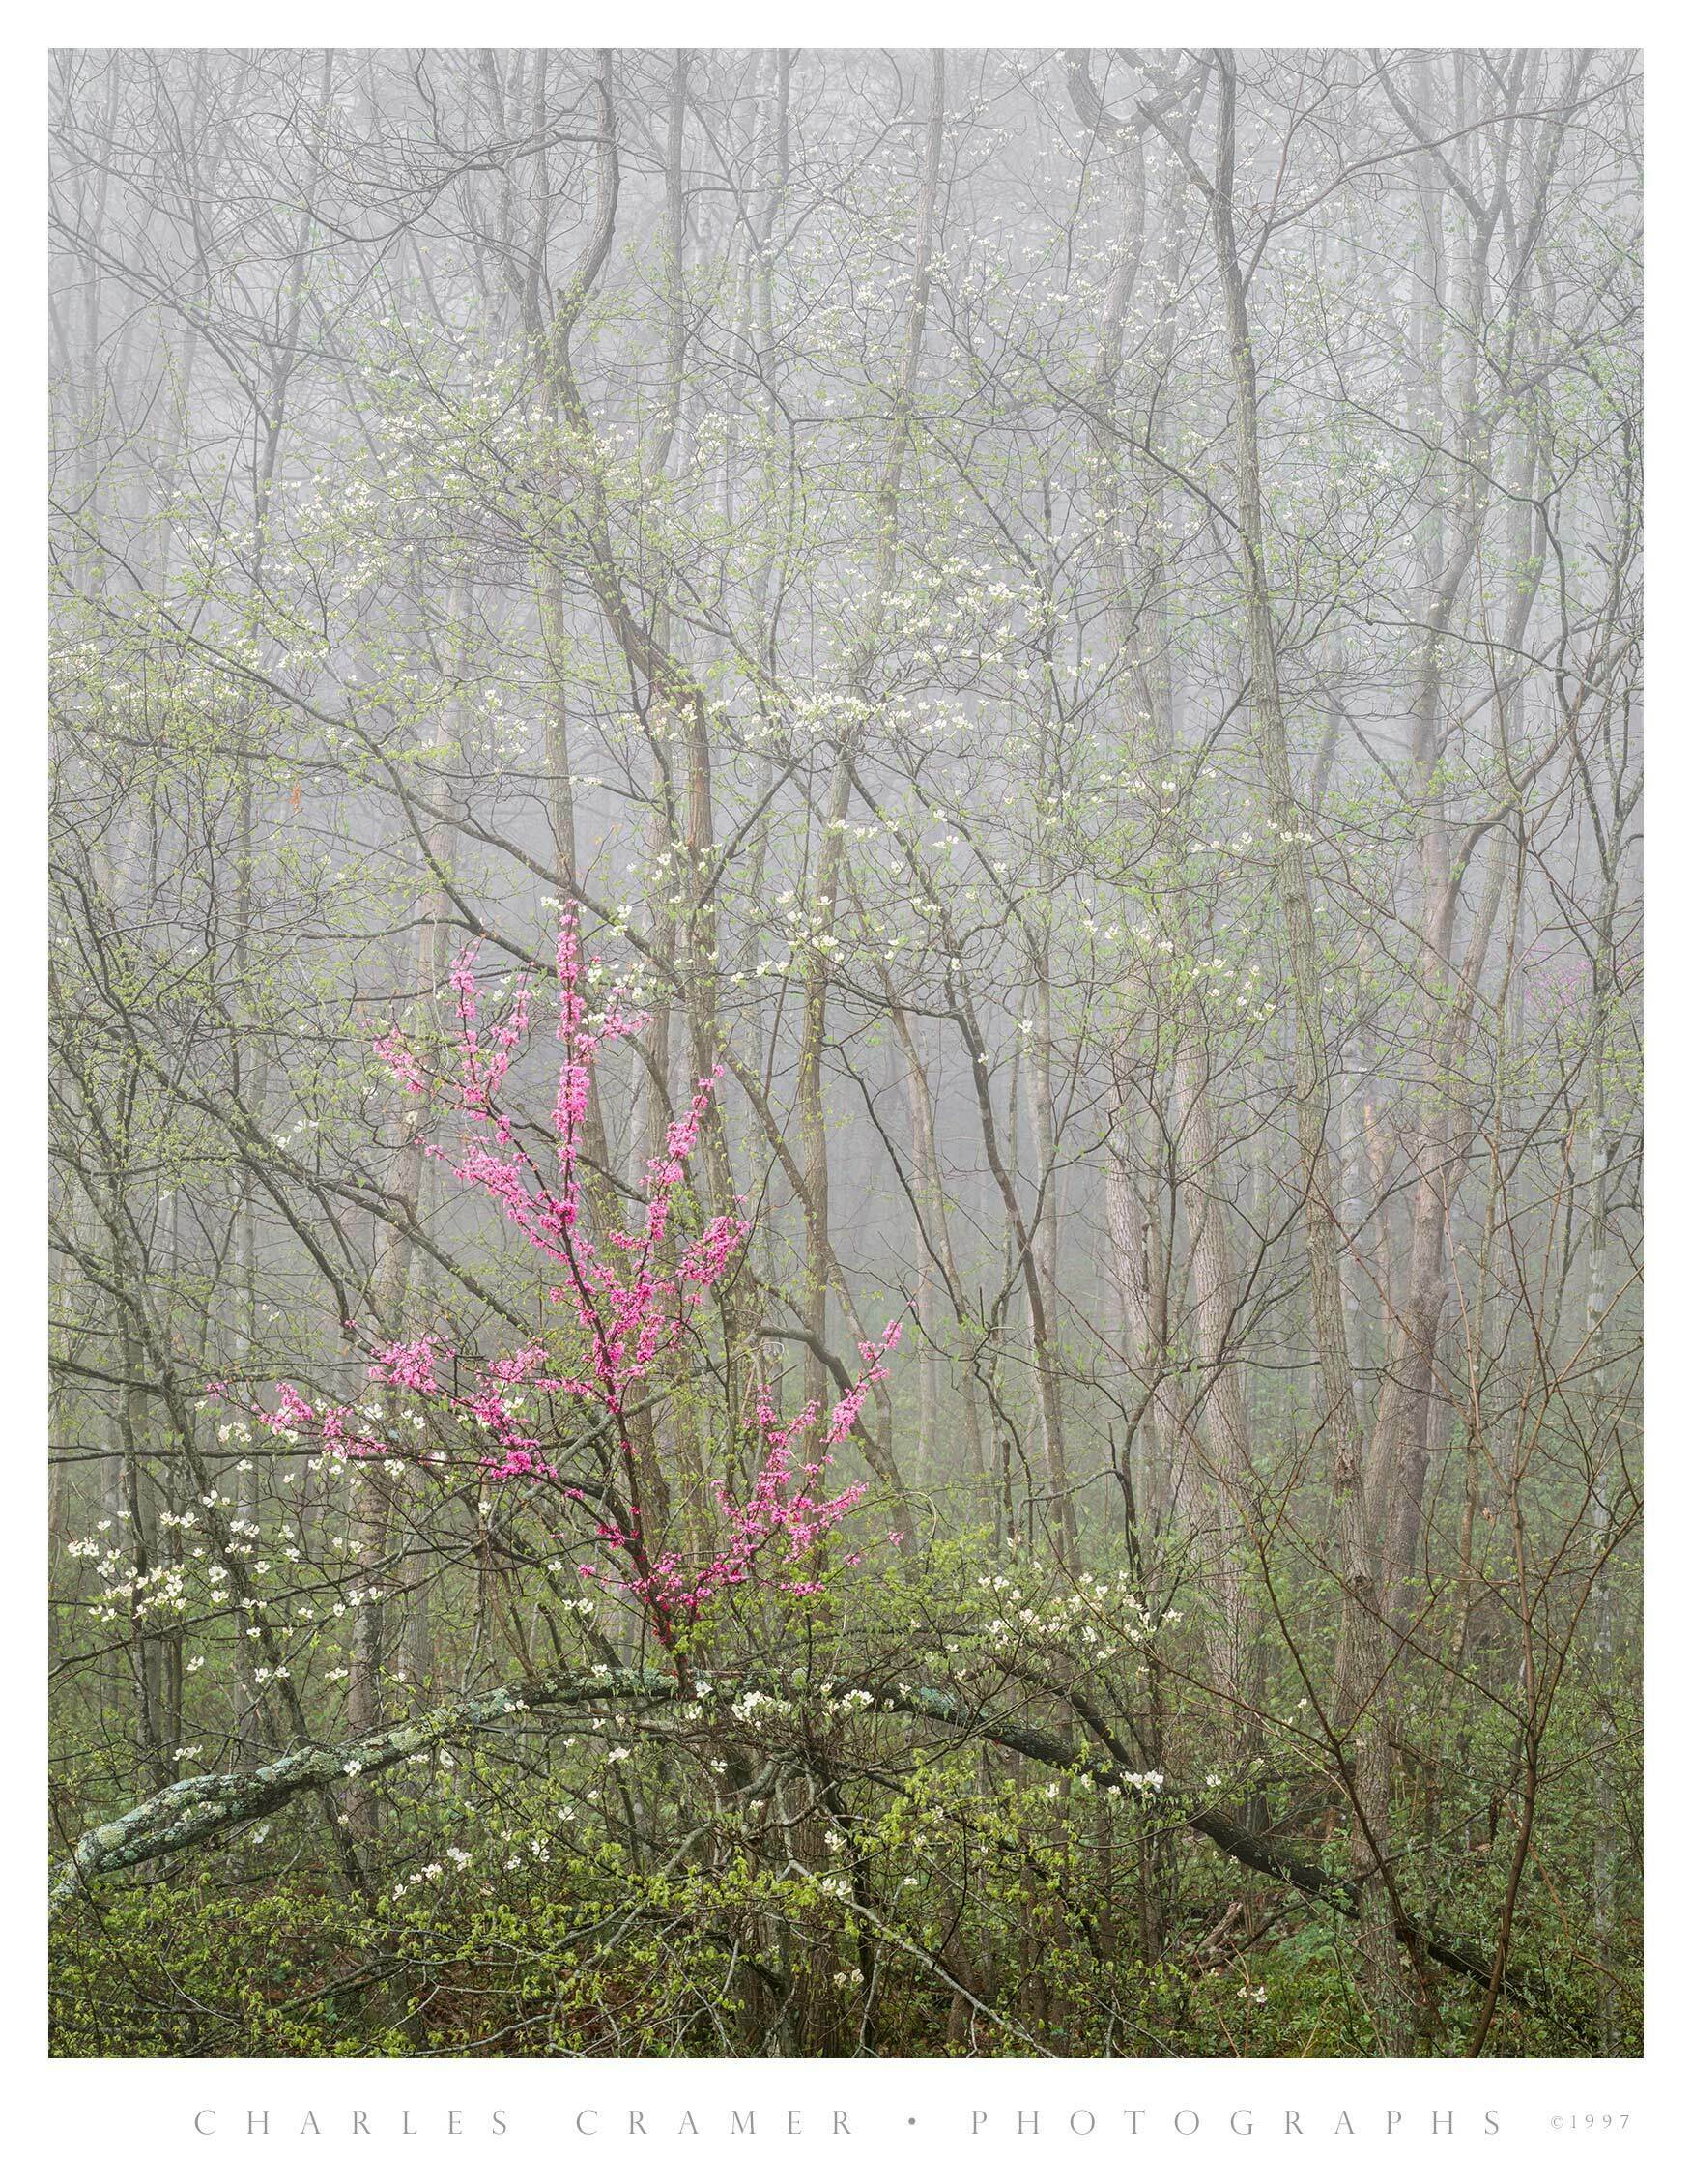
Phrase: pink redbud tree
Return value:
(630, 1300)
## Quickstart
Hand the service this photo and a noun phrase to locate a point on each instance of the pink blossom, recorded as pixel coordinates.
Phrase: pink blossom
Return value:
(632, 1303)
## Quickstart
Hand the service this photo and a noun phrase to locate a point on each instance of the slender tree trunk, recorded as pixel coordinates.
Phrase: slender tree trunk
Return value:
(1361, 1659)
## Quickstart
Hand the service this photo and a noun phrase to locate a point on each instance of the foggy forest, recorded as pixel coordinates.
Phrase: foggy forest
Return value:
(844, 1089)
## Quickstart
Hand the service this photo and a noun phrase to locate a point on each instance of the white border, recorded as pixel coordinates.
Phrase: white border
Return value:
(136, 2120)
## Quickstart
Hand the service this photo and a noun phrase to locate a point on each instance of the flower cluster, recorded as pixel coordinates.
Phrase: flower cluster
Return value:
(635, 1293)
(632, 1300)
(782, 1512)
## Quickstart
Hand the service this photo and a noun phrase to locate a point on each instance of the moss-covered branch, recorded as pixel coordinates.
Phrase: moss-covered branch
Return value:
(210, 1805)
